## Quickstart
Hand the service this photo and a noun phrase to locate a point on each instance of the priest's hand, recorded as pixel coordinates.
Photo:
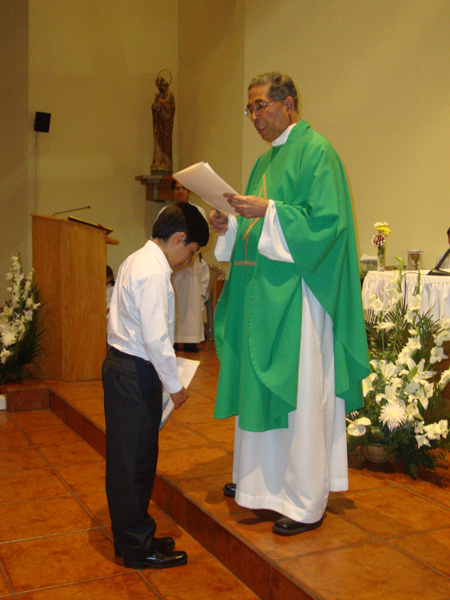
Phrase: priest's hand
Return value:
(179, 398)
(218, 222)
(248, 206)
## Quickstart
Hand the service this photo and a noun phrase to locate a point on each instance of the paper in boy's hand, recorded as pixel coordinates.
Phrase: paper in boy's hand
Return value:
(204, 181)
(186, 371)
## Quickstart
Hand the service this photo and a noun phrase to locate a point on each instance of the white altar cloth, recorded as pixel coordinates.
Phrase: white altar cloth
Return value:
(435, 290)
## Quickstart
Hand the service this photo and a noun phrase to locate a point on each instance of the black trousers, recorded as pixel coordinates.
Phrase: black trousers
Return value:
(133, 406)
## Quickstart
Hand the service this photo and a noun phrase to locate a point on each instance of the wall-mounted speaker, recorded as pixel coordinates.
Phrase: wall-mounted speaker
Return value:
(42, 122)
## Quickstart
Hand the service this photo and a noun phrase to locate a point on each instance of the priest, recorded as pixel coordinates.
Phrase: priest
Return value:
(289, 323)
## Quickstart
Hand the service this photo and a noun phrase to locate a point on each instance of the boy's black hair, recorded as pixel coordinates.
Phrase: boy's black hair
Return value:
(182, 217)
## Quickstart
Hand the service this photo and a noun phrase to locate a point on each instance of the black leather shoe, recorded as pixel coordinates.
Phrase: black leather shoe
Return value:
(159, 559)
(229, 490)
(191, 348)
(287, 526)
(163, 543)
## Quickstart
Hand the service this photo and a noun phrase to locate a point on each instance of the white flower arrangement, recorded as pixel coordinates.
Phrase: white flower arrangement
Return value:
(19, 331)
(403, 407)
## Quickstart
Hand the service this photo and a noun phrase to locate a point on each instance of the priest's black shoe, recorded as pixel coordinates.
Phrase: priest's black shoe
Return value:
(287, 526)
(229, 490)
(159, 559)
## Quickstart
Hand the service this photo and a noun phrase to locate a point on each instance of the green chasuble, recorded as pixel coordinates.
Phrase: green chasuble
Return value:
(258, 317)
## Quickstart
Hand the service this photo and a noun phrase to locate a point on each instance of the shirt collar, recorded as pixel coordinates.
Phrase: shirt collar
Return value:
(156, 250)
(281, 139)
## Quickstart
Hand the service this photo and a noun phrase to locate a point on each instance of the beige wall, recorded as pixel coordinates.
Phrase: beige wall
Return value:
(14, 125)
(93, 64)
(373, 78)
(211, 69)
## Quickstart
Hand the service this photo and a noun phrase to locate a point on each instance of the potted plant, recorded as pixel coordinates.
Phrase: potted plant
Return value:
(19, 325)
(404, 416)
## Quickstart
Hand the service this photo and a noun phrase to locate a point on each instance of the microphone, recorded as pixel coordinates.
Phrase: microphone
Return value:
(62, 212)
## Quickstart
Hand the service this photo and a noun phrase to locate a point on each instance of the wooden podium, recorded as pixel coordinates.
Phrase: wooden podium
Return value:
(69, 259)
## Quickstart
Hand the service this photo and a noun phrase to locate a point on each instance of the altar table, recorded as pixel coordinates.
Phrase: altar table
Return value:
(435, 290)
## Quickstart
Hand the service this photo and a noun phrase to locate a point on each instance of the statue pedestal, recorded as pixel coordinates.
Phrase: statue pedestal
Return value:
(158, 188)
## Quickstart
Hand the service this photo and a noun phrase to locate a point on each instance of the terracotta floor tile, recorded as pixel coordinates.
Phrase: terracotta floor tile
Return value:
(197, 398)
(88, 406)
(388, 512)
(5, 592)
(34, 419)
(211, 461)
(23, 520)
(221, 431)
(12, 438)
(72, 453)
(18, 459)
(202, 379)
(31, 484)
(174, 435)
(99, 420)
(436, 488)
(202, 413)
(432, 548)
(89, 477)
(256, 528)
(367, 572)
(359, 479)
(96, 504)
(207, 493)
(126, 586)
(56, 434)
(58, 559)
(5, 422)
(205, 579)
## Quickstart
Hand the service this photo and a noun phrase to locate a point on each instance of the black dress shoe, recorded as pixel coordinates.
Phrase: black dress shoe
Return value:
(287, 526)
(159, 559)
(229, 490)
(190, 348)
(163, 543)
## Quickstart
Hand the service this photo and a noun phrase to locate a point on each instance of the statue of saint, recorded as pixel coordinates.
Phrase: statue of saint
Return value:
(163, 111)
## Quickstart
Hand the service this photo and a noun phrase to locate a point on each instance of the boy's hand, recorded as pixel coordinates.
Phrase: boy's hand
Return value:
(179, 398)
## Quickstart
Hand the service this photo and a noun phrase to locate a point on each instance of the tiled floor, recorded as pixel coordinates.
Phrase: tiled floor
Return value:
(387, 537)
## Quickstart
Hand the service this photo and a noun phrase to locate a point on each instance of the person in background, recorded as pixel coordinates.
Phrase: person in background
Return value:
(109, 286)
(289, 323)
(140, 360)
(190, 284)
(446, 263)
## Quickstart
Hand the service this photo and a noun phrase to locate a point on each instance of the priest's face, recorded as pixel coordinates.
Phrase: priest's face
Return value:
(271, 120)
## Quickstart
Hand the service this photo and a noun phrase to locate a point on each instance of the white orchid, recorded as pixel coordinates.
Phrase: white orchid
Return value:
(445, 379)
(437, 354)
(376, 304)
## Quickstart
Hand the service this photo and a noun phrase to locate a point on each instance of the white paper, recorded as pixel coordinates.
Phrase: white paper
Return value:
(186, 371)
(204, 181)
